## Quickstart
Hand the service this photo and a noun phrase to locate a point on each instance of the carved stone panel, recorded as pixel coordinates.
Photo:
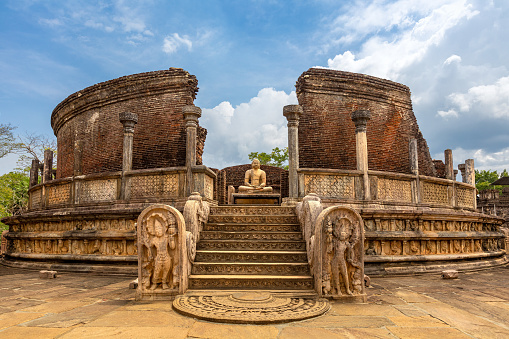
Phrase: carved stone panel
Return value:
(59, 194)
(465, 197)
(162, 267)
(341, 253)
(36, 198)
(434, 193)
(154, 185)
(97, 190)
(394, 190)
(335, 186)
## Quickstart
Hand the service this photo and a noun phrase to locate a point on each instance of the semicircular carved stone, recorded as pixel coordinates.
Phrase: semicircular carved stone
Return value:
(162, 253)
(339, 254)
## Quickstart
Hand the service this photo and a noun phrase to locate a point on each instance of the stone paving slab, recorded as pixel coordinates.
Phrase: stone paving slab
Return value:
(89, 306)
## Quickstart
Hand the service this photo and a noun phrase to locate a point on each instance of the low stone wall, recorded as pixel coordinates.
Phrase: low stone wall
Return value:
(388, 190)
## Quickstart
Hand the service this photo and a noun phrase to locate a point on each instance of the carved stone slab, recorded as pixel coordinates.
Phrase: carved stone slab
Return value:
(162, 254)
(339, 254)
(250, 307)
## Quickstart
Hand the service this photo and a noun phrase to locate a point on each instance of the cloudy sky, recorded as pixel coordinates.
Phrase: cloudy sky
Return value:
(247, 55)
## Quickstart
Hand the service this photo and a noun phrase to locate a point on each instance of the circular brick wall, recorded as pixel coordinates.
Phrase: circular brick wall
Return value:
(90, 135)
(327, 133)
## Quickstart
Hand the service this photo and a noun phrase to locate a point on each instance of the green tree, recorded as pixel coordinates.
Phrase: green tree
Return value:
(278, 157)
(484, 178)
(13, 194)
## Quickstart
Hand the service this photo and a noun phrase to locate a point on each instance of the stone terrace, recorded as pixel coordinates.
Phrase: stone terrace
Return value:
(82, 305)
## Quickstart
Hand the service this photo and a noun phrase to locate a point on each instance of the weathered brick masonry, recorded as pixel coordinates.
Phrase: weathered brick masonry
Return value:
(89, 133)
(327, 133)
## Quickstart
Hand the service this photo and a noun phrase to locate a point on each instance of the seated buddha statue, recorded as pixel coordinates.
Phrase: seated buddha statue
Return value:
(255, 180)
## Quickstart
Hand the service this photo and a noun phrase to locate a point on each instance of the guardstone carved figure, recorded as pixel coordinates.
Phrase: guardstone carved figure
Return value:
(161, 245)
(342, 253)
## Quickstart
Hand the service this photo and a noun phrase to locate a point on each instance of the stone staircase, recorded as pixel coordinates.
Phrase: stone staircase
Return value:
(251, 248)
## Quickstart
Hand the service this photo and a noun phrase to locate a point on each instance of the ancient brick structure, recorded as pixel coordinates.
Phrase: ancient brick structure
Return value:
(87, 127)
(124, 145)
(327, 133)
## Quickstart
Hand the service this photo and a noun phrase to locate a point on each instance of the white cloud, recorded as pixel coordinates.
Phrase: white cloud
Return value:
(172, 43)
(452, 59)
(492, 100)
(448, 114)
(255, 126)
(387, 58)
(51, 22)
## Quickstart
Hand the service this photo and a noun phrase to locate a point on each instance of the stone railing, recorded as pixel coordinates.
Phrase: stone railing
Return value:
(149, 185)
(386, 188)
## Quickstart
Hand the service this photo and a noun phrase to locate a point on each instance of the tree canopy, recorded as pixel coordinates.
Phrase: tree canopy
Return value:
(13, 194)
(278, 157)
(484, 178)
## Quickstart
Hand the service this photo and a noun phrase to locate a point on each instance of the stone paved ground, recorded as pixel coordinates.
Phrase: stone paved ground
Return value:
(79, 305)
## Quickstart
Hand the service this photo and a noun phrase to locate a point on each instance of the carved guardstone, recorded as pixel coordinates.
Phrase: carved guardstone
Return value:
(340, 254)
(162, 253)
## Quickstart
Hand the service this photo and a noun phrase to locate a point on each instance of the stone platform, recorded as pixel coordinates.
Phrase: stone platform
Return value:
(75, 305)
(256, 199)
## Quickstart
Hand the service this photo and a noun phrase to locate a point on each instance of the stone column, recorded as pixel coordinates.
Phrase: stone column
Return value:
(360, 118)
(128, 121)
(34, 173)
(461, 167)
(191, 116)
(469, 172)
(48, 165)
(292, 114)
(78, 157)
(470, 177)
(414, 168)
(449, 167)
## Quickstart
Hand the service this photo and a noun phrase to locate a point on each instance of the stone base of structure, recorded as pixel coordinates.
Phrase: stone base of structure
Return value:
(256, 199)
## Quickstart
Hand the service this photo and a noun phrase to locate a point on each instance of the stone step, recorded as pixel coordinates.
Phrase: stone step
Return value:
(206, 268)
(265, 282)
(252, 210)
(250, 235)
(251, 245)
(251, 256)
(251, 227)
(253, 219)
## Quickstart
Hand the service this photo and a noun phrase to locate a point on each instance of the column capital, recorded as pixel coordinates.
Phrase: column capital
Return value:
(292, 112)
(128, 120)
(191, 114)
(360, 119)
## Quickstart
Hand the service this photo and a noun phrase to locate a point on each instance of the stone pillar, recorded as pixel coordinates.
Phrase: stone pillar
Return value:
(78, 157)
(360, 118)
(128, 121)
(414, 168)
(449, 167)
(455, 175)
(292, 114)
(48, 165)
(191, 116)
(34, 173)
(461, 167)
(469, 172)
(470, 177)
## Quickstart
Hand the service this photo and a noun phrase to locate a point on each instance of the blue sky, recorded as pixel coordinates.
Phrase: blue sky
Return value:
(247, 55)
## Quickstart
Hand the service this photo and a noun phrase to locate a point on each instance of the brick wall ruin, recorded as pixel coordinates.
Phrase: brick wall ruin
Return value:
(89, 134)
(327, 133)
